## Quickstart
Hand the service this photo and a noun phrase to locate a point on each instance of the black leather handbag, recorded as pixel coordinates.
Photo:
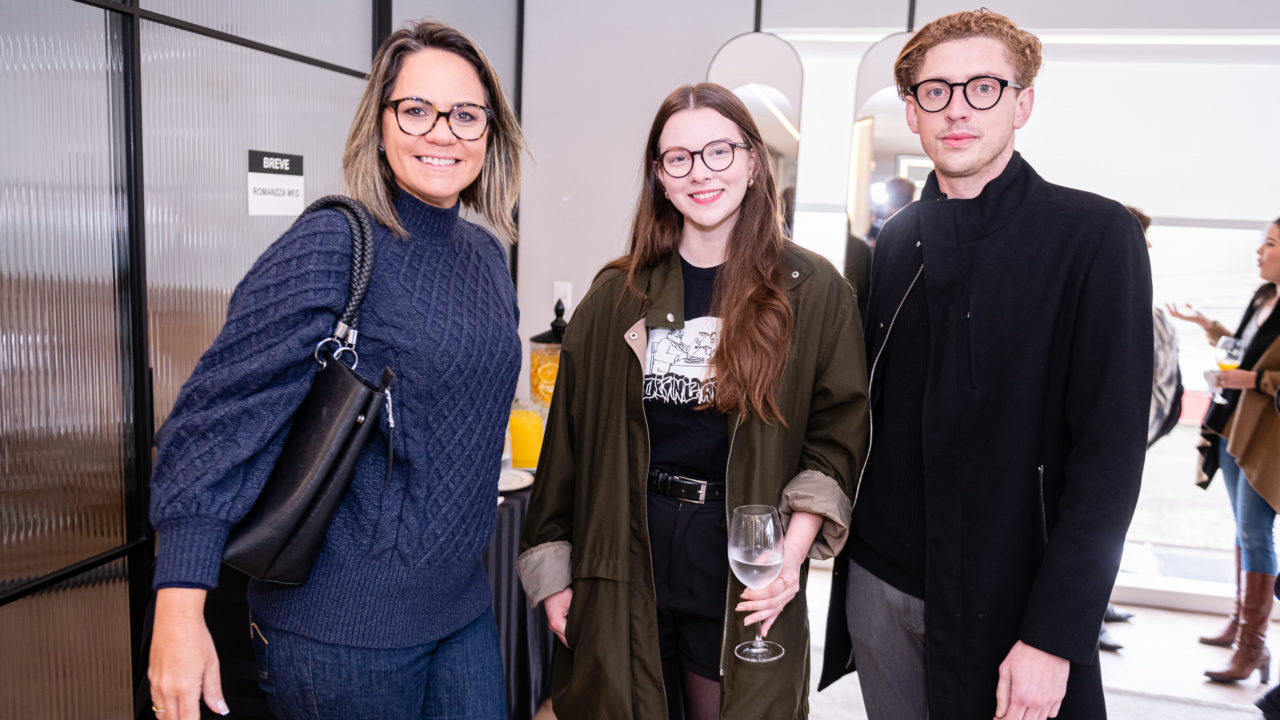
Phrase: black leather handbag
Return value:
(278, 540)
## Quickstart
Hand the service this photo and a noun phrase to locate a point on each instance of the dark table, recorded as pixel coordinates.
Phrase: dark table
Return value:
(526, 640)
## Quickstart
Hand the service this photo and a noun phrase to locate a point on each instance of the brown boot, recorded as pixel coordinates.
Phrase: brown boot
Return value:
(1251, 640)
(1228, 635)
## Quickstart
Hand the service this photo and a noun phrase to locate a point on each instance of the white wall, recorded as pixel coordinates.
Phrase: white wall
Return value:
(594, 74)
(1143, 14)
(1133, 131)
(491, 23)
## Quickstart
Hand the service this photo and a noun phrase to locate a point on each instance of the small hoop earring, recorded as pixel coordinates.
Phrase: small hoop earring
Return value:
(667, 194)
(750, 181)
(381, 150)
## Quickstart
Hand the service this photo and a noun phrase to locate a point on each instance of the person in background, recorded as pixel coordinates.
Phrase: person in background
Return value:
(395, 620)
(899, 192)
(1166, 408)
(715, 365)
(1166, 378)
(1009, 322)
(857, 264)
(1242, 438)
(857, 252)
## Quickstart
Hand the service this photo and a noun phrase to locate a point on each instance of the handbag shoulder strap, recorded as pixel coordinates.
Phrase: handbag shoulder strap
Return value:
(357, 217)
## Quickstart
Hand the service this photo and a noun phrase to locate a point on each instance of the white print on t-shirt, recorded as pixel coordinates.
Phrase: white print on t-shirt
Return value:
(678, 365)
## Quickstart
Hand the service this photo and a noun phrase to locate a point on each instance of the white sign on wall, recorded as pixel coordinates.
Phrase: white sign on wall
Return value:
(275, 184)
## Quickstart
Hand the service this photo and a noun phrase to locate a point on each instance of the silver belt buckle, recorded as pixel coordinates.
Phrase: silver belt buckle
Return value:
(702, 490)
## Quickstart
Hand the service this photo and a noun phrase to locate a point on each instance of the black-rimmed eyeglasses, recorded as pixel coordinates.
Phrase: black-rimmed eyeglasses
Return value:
(415, 116)
(717, 155)
(982, 92)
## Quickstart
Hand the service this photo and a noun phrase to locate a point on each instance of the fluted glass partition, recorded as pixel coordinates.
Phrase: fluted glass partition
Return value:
(63, 265)
(66, 650)
(205, 104)
(321, 29)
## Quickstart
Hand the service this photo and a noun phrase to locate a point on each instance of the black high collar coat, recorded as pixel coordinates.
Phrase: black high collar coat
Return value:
(1034, 429)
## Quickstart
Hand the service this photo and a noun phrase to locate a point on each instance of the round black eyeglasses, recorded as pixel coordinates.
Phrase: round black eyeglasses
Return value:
(982, 92)
(717, 155)
(415, 116)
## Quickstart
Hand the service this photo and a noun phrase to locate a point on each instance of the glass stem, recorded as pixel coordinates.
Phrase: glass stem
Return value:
(759, 640)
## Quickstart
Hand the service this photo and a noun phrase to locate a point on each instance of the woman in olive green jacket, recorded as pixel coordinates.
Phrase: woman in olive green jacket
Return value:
(778, 417)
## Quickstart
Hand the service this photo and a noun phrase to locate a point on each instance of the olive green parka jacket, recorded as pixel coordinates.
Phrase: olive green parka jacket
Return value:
(587, 525)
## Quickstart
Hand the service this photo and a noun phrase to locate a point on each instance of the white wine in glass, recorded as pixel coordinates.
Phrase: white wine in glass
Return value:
(755, 556)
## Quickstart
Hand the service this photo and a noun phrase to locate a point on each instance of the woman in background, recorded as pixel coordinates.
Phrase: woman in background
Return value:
(1244, 441)
(395, 620)
(716, 365)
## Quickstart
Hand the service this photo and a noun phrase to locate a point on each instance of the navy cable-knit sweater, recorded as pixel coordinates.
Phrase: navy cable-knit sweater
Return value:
(401, 563)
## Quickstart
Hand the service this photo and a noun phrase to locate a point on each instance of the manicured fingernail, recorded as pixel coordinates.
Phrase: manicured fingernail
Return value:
(738, 608)
(222, 708)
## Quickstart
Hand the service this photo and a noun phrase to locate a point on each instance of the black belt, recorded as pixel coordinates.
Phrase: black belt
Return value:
(683, 488)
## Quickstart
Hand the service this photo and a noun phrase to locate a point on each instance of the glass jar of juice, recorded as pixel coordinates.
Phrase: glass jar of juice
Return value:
(544, 361)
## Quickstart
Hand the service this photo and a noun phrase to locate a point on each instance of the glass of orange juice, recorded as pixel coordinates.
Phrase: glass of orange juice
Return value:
(525, 425)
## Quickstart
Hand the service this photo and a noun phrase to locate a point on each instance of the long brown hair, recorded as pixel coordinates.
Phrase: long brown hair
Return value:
(749, 298)
(368, 176)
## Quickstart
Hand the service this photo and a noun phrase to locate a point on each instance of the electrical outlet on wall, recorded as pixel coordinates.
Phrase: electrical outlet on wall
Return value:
(562, 290)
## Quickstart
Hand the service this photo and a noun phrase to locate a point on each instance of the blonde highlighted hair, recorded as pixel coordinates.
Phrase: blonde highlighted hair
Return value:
(368, 176)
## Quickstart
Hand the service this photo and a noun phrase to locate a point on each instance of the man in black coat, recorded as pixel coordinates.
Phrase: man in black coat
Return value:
(1009, 327)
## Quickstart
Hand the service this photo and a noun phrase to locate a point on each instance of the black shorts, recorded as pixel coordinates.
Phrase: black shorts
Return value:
(690, 547)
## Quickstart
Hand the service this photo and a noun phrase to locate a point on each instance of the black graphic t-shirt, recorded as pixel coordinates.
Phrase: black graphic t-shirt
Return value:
(677, 379)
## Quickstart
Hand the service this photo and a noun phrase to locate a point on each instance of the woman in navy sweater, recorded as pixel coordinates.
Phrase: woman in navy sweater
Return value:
(395, 619)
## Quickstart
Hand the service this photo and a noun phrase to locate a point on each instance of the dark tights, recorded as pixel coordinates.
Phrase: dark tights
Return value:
(701, 697)
(689, 695)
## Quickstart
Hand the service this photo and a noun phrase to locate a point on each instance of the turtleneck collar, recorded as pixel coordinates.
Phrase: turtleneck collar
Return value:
(993, 207)
(424, 220)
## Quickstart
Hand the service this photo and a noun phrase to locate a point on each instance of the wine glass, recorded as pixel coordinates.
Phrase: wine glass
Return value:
(755, 556)
(1230, 349)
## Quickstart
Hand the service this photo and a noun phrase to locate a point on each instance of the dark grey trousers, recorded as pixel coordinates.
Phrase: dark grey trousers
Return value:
(887, 628)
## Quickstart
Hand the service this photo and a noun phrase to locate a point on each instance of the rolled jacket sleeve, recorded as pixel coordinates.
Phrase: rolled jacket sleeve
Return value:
(812, 492)
(544, 570)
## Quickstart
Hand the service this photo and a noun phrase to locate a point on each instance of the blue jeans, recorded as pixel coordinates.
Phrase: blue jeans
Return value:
(1254, 517)
(459, 677)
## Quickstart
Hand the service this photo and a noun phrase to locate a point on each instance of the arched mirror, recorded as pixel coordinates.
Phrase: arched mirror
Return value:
(765, 72)
(884, 148)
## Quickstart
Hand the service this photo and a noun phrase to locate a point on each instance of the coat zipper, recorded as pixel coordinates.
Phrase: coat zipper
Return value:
(1044, 515)
(728, 519)
(644, 508)
(871, 381)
